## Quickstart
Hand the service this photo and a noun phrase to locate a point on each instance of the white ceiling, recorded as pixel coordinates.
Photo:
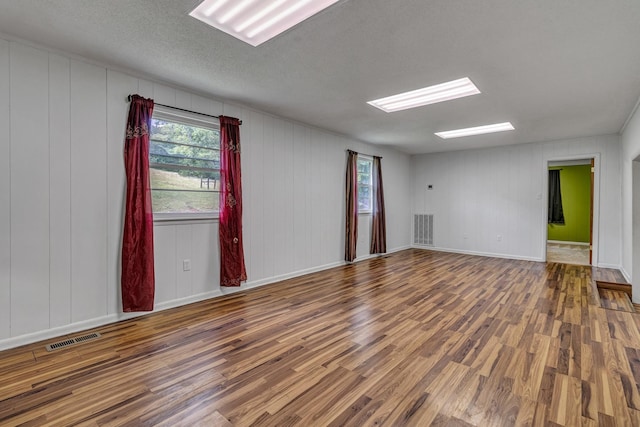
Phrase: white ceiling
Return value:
(555, 69)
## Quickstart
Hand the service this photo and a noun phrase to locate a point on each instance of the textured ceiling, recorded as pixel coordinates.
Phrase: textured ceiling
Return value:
(555, 69)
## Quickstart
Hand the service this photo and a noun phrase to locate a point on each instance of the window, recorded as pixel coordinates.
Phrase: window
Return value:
(184, 165)
(365, 187)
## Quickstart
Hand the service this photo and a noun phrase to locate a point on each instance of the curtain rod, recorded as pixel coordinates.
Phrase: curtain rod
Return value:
(364, 154)
(182, 109)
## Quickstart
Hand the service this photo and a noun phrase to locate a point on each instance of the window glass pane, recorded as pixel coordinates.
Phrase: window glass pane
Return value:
(163, 130)
(364, 185)
(184, 167)
(168, 153)
(185, 202)
(364, 172)
(364, 198)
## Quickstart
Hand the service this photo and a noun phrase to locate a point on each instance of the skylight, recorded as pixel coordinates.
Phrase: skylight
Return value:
(428, 95)
(478, 130)
(256, 21)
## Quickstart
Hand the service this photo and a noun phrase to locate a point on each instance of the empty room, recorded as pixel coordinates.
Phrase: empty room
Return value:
(319, 213)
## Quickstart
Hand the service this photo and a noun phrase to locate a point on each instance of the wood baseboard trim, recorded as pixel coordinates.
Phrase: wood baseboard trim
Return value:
(623, 287)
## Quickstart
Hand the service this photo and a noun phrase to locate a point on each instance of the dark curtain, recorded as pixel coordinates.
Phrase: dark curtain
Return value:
(137, 280)
(378, 222)
(351, 229)
(232, 268)
(556, 216)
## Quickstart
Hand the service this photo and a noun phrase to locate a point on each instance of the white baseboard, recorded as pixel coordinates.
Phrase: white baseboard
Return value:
(626, 275)
(63, 330)
(508, 256)
(611, 266)
(72, 328)
(370, 256)
(100, 321)
(279, 278)
(484, 254)
(365, 257)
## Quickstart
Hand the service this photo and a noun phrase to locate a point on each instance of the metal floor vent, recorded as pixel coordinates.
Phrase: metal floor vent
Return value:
(73, 341)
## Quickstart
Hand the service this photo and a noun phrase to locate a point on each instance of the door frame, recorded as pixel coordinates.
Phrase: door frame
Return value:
(592, 178)
(635, 229)
(595, 206)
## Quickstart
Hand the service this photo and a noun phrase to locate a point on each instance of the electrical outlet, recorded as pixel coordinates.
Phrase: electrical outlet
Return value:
(186, 265)
(499, 237)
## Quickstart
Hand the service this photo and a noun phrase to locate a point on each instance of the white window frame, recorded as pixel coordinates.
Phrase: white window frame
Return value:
(193, 119)
(369, 160)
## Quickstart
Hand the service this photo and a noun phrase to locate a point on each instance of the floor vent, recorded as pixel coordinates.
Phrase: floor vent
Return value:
(73, 341)
(423, 229)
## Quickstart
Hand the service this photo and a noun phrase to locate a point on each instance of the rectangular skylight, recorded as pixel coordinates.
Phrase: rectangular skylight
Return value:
(256, 21)
(428, 95)
(478, 130)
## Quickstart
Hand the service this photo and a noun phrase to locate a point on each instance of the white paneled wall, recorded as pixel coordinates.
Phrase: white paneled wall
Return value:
(609, 222)
(479, 195)
(59, 191)
(88, 99)
(62, 187)
(5, 193)
(30, 199)
(630, 153)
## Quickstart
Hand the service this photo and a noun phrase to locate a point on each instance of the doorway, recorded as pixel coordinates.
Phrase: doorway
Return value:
(570, 213)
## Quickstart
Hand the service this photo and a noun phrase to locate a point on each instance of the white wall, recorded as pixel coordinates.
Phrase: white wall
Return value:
(630, 151)
(480, 194)
(62, 186)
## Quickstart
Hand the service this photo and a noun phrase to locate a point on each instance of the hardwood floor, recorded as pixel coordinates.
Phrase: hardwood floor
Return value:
(415, 338)
(615, 300)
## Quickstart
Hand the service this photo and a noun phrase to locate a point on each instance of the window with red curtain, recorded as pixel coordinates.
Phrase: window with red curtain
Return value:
(232, 267)
(137, 279)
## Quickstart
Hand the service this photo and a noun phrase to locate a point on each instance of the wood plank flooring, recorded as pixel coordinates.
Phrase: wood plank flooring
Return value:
(615, 300)
(415, 338)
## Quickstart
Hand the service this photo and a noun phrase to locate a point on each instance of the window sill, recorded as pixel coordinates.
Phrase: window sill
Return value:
(168, 219)
(365, 213)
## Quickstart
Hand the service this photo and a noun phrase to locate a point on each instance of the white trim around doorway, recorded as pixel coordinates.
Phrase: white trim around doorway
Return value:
(596, 200)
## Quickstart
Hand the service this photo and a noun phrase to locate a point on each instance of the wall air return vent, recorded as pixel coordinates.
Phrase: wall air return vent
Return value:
(423, 229)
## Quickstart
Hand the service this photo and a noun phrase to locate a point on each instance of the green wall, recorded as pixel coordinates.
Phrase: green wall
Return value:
(575, 185)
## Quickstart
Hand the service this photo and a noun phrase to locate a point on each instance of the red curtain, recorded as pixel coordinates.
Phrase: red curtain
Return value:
(137, 280)
(351, 229)
(232, 268)
(378, 221)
